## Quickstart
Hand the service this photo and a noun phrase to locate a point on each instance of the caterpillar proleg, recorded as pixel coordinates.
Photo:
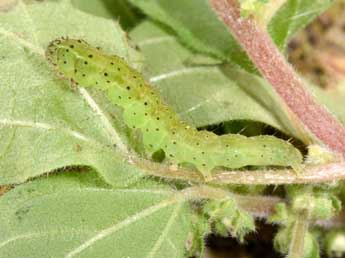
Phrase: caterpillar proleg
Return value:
(161, 128)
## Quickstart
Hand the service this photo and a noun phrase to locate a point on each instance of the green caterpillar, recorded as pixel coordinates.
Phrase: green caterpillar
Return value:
(160, 126)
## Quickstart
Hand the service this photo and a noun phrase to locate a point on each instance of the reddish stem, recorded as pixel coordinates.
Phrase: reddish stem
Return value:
(276, 70)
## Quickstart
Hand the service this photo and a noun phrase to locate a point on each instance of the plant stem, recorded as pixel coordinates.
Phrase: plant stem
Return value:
(311, 174)
(299, 231)
(276, 70)
(258, 206)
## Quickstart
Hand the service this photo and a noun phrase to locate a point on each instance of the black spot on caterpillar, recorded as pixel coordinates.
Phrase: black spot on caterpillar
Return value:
(160, 126)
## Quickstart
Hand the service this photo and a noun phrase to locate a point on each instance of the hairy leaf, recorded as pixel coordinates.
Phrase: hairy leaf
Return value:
(70, 215)
(44, 125)
(200, 29)
(119, 9)
(204, 93)
(294, 15)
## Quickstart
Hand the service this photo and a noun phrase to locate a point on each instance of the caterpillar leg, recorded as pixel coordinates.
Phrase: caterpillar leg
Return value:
(297, 167)
(205, 171)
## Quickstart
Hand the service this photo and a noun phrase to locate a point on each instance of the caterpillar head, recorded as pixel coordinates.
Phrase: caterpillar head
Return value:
(62, 54)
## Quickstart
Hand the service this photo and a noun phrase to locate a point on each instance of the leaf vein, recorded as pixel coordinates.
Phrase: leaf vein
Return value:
(30, 21)
(155, 40)
(21, 41)
(114, 136)
(179, 72)
(44, 126)
(165, 232)
(110, 230)
(13, 239)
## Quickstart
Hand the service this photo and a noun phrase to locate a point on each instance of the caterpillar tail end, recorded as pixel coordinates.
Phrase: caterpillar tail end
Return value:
(296, 161)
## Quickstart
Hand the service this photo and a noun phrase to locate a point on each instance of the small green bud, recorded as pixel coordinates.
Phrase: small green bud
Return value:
(216, 209)
(335, 243)
(311, 246)
(251, 7)
(195, 241)
(243, 224)
(281, 214)
(319, 205)
(221, 229)
(283, 239)
(227, 218)
(319, 155)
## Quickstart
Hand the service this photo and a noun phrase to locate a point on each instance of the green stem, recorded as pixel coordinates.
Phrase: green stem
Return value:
(311, 174)
(258, 206)
(299, 232)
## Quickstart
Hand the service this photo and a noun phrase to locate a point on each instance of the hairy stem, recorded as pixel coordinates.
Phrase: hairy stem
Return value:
(271, 63)
(299, 231)
(311, 174)
(258, 206)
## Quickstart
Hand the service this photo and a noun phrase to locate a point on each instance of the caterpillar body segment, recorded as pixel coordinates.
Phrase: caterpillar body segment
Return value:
(161, 128)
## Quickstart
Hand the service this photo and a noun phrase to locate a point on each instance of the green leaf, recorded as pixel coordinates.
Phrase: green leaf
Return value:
(119, 9)
(319, 205)
(70, 216)
(206, 94)
(44, 125)
(333, 99)
(199, 28)
(251, 7)
(294, 15)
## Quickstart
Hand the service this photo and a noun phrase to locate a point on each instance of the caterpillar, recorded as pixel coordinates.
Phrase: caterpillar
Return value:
(160, 127)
